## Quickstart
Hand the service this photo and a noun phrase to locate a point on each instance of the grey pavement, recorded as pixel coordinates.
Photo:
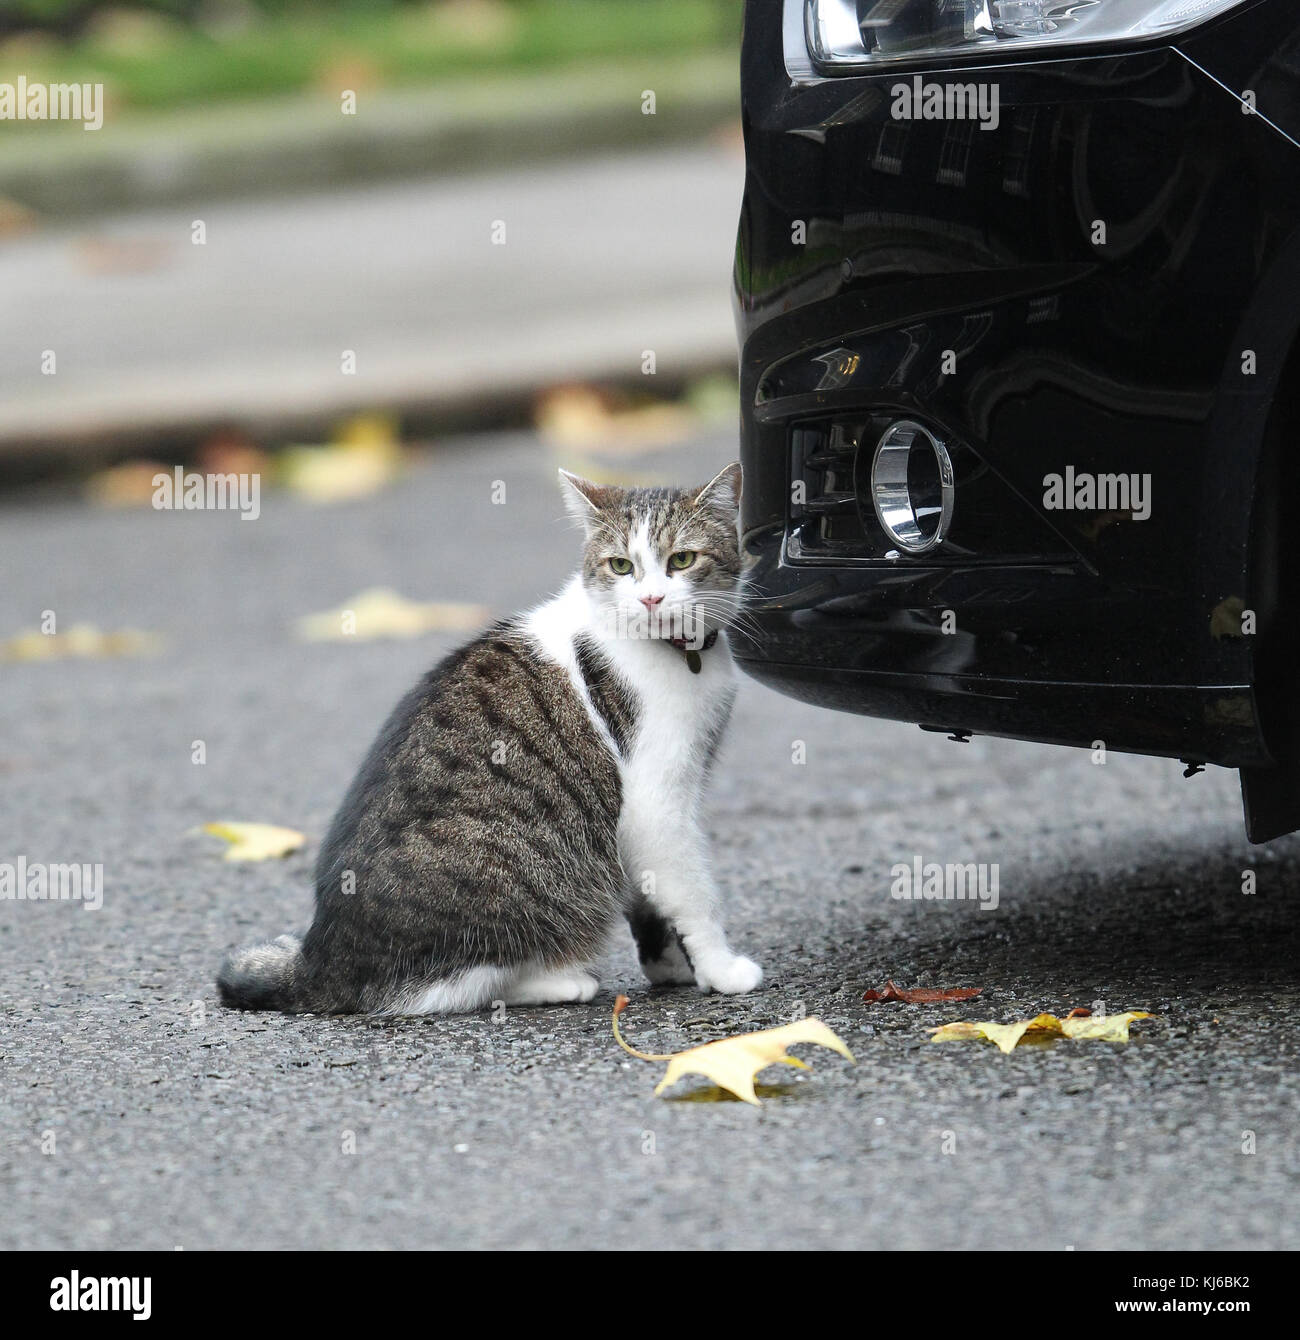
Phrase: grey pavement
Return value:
(179, 1124)
(595, 261)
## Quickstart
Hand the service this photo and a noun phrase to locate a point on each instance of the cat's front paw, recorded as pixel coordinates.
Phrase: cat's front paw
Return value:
(670, 968)
(667, 971)
(730, 975)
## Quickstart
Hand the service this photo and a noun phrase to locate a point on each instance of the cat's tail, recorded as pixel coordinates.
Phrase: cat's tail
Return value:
(265, 977)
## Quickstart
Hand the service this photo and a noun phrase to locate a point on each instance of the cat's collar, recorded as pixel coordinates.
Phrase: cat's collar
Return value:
(692, 653)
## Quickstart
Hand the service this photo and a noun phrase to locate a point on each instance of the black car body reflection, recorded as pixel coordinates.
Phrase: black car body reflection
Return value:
(950, 273)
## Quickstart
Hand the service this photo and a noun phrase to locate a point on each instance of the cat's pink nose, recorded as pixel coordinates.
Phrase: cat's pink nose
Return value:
(651, 601)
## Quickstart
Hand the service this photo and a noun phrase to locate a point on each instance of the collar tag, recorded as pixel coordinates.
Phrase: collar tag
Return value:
(692, 654)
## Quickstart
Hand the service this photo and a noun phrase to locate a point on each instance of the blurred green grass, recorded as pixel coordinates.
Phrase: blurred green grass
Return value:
(153, 60)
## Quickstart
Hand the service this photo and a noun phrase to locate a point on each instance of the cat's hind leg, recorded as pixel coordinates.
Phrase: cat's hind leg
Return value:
(460, 993)
(534, 984)
(479, 988)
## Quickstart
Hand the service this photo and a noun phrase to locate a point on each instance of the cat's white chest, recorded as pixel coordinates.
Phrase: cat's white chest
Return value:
(680, 717)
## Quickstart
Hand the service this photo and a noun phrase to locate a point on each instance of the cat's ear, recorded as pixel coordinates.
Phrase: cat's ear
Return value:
(722, 492)
(584, 499)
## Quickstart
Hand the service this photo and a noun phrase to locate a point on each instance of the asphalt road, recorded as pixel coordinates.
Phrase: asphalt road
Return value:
(176, 1123)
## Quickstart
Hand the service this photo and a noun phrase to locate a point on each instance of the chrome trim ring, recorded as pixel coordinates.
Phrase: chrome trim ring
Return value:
(912, 487)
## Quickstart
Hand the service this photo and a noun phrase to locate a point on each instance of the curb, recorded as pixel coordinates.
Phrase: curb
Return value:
(430, 391)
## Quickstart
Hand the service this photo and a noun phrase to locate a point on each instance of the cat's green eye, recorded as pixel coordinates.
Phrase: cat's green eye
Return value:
(620, 567)
(683, 558)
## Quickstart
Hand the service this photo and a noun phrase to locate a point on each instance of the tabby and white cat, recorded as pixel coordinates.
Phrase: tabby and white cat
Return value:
(537, 783)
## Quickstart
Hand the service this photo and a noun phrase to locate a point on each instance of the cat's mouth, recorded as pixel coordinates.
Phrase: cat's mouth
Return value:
(680, 624)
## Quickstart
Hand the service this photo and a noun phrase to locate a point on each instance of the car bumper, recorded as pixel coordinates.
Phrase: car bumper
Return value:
(951, 275)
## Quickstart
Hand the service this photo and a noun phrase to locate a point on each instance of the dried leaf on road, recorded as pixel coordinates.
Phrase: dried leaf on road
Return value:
(380, 613)
(128, 484)
(579, 416)
(82, 641)
(1103, 1027)
(365, 455)
(921, 995)
(732, 1063)
(256, 842)
(231, 452)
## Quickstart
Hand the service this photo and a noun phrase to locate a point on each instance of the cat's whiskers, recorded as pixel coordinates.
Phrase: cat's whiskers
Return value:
(726, 612)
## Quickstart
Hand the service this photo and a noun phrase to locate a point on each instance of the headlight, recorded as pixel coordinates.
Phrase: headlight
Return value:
(875, 32)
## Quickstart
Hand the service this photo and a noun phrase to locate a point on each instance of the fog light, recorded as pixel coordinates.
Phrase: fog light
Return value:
(911, 487)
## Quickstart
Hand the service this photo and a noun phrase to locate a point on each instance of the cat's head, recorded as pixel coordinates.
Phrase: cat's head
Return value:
(660, 562)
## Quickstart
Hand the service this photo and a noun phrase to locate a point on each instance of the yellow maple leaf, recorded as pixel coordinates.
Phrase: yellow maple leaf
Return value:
(382, 613)
(1101, 1027)
(256, 842)
(732, 1063)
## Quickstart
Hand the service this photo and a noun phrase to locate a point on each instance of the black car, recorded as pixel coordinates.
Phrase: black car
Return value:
(1018, 293)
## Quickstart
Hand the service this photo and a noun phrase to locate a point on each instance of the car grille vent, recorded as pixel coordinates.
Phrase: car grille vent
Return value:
(824, 517)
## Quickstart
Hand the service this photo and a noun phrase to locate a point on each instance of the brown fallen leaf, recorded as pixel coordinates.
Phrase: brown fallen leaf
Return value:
(921, 995)
(1101, 1027)
(229, 451)
(732, 1063)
